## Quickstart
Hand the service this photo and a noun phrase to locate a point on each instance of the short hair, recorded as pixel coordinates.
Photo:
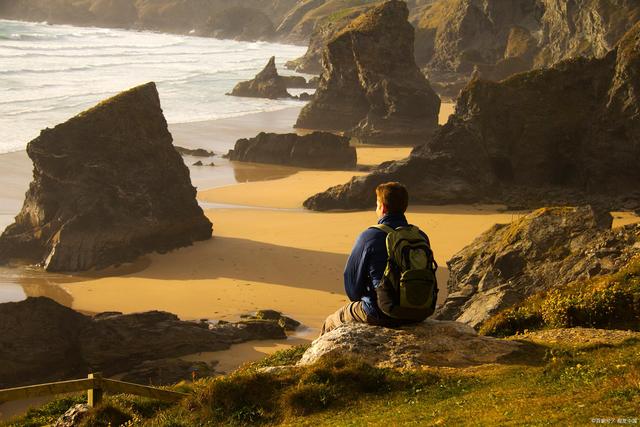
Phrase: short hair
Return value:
(394, 196)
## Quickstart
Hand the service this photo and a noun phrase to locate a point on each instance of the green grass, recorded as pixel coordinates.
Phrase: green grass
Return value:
(608, 301)
(568, 387)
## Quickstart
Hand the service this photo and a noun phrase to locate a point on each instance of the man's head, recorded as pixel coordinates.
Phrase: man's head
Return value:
(391, 198)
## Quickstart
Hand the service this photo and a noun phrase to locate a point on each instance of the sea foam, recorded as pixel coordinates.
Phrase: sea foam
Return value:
(49, 73)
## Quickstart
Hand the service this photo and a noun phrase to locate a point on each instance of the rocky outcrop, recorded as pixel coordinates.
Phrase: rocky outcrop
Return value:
(498, 37)
(320, 150)
(431, 343)
(266, 84)
(371, 86)
(545, 249)
(42, 340)
(107, 187)
(564, 135)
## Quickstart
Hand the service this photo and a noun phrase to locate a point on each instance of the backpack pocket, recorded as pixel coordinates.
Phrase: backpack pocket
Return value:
(417, 289)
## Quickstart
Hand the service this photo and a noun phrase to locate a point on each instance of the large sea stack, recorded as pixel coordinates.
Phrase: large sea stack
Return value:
(567, 134)
(371, 85)
(107, 186)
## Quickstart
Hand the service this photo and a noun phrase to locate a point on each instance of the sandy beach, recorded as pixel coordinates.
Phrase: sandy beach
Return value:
(266, 251)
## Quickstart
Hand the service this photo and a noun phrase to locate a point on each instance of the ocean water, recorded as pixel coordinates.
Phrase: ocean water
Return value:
(49, 73)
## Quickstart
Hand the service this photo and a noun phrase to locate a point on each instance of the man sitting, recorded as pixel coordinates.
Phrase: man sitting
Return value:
(388, 295)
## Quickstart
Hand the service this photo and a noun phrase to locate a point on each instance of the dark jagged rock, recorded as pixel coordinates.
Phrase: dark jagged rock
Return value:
(42, 340)
(107, 187)
(545, 249)
(266, 84)
(371, 85)
(287, 323)
(564, 135)
(197, 152)
(320, 150)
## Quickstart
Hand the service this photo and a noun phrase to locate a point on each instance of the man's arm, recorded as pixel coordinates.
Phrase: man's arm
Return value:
(354, 272)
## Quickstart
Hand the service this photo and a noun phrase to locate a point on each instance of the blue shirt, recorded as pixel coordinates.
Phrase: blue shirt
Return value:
(367, 262)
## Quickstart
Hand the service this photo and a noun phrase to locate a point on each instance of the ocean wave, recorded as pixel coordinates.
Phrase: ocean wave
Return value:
(46, 81)
(89, 67)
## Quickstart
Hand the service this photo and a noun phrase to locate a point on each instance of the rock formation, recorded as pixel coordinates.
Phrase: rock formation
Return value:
(564, 135)
(431, 343)
(499, 37)
(107, 187)
(42, 340)
(371, 85)
(547, 248)
(320, 150)
(266, 84)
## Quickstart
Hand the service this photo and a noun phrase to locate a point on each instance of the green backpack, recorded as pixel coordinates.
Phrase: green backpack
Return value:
(408, 286)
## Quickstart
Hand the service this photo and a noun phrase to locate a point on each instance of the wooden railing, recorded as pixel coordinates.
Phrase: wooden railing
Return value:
(95, 386)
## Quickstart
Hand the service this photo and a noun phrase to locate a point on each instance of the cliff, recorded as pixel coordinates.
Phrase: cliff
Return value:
(251, 20)
(564, 135)
(371, 86)
(499, 37)
(107, 187)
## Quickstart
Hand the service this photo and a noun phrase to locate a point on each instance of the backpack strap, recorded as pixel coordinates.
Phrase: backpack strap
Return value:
(383, 227)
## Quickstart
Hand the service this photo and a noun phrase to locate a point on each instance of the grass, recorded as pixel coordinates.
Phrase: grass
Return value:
(609, 301)
(570, 386)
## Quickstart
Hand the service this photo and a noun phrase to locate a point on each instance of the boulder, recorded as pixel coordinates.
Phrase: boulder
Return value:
(321, 150)
(371, 85)
(432, 343)
(286, 322)
(548, 248)
(266, 84)
(563, 135)
(107, 187)
(43, 340)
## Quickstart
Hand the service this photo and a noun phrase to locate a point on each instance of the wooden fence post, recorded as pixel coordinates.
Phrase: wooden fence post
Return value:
(94, 395)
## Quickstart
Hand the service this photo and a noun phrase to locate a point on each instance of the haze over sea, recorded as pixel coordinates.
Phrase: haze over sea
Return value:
(49, 73)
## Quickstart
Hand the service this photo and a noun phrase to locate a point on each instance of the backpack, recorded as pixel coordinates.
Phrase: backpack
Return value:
(408, 287)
